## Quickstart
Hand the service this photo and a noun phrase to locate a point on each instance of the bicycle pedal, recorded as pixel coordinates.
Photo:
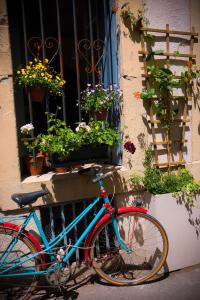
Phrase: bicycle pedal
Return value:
(138, 203)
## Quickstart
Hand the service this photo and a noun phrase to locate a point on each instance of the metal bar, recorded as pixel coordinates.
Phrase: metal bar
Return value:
(26, 59)
(52, 222)
(63, 223)
(85, 233)
(107, 239)
(74, 222)
(97, 241)
(61, 57)
(41, 231)
(75, 234)
(77, 60)
(85, 219)
(106, 57)
(43, 49)
(98, 37)
(91, 41)
(42, 29)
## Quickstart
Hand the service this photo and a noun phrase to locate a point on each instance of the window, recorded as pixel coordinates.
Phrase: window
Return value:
(79, 38)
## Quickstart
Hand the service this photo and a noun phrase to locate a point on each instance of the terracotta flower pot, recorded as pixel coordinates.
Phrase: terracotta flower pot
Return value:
(61, 169)
(37, 93)
(34, 167)
(101, 115)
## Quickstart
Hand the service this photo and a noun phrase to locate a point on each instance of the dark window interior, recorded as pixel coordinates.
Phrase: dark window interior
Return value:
(75, 22)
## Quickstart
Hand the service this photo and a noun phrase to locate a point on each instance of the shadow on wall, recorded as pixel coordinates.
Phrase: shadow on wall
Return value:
(76, 187)
(192, 209)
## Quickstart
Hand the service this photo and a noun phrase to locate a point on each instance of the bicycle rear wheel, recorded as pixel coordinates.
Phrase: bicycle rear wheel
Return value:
(17, 287)
(141, 233)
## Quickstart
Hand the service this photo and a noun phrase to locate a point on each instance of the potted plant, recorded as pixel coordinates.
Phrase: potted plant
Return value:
(97, 137)
(100, 133)
(174, 200)
(97, 100)
(59, 141)
(38, 77)
(34, 159)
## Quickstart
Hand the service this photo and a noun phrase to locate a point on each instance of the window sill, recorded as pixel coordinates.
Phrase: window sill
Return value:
(52, 176)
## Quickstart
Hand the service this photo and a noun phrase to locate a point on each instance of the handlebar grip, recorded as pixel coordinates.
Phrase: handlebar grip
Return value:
(82, 171)
(102, 176)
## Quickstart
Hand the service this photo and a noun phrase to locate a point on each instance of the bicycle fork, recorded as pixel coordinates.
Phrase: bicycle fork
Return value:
(111, 211)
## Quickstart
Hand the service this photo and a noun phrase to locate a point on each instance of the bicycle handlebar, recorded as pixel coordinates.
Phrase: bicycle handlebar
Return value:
(102, 176)
(95, 171)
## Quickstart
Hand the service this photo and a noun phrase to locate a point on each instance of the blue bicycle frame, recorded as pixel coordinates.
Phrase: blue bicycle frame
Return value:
(47, 246)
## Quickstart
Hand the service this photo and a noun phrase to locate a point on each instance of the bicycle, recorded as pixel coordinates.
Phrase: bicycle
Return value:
(125, 246)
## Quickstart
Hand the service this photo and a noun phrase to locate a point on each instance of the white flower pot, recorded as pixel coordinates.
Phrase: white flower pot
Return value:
(182, 226)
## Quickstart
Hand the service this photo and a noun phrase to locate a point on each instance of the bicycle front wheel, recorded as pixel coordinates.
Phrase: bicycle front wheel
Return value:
(17, 287)
(148, 244)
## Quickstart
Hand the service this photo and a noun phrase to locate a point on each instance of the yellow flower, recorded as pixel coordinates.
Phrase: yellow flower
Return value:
(46, 60)
(18, 72)
(42, 74)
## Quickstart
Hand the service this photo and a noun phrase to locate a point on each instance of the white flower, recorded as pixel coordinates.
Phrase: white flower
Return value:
(27, 128)
(43, 142)
(84, 126)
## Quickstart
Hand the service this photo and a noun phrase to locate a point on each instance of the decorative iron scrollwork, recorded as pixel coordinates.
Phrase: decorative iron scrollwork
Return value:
(92, 52)
(36, 45)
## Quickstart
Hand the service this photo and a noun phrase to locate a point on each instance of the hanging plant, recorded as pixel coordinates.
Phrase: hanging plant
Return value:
(40, 75)
(133, 21)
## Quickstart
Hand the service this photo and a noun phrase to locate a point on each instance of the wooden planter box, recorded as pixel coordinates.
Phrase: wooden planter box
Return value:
(182, 226)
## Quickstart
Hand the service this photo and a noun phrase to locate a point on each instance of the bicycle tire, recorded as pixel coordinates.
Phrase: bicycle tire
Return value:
(18, 287)
(148, 255)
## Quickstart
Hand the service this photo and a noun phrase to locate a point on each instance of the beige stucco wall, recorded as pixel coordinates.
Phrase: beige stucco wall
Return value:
(71, 186)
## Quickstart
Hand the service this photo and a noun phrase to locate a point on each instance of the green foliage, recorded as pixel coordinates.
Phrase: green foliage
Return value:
(137, 182)
(98, 98)
(148, 94)
(29, 142)
(129, 19)
(149, 37)
(60, 140)
(100, 133)
(151, 54)
(188, 76)
(176, 53)
(156, 181)
(162, 82)
(38, 74)
(162, 79)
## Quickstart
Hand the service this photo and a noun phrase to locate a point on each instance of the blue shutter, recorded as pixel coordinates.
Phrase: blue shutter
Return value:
(109, 70)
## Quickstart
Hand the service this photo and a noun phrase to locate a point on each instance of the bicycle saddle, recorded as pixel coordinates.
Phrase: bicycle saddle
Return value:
(23, 199)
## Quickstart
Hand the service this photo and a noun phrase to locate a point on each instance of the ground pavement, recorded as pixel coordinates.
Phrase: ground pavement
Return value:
(183, 284)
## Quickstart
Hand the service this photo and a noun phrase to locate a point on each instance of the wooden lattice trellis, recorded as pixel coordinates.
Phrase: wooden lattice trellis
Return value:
(164, 138)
